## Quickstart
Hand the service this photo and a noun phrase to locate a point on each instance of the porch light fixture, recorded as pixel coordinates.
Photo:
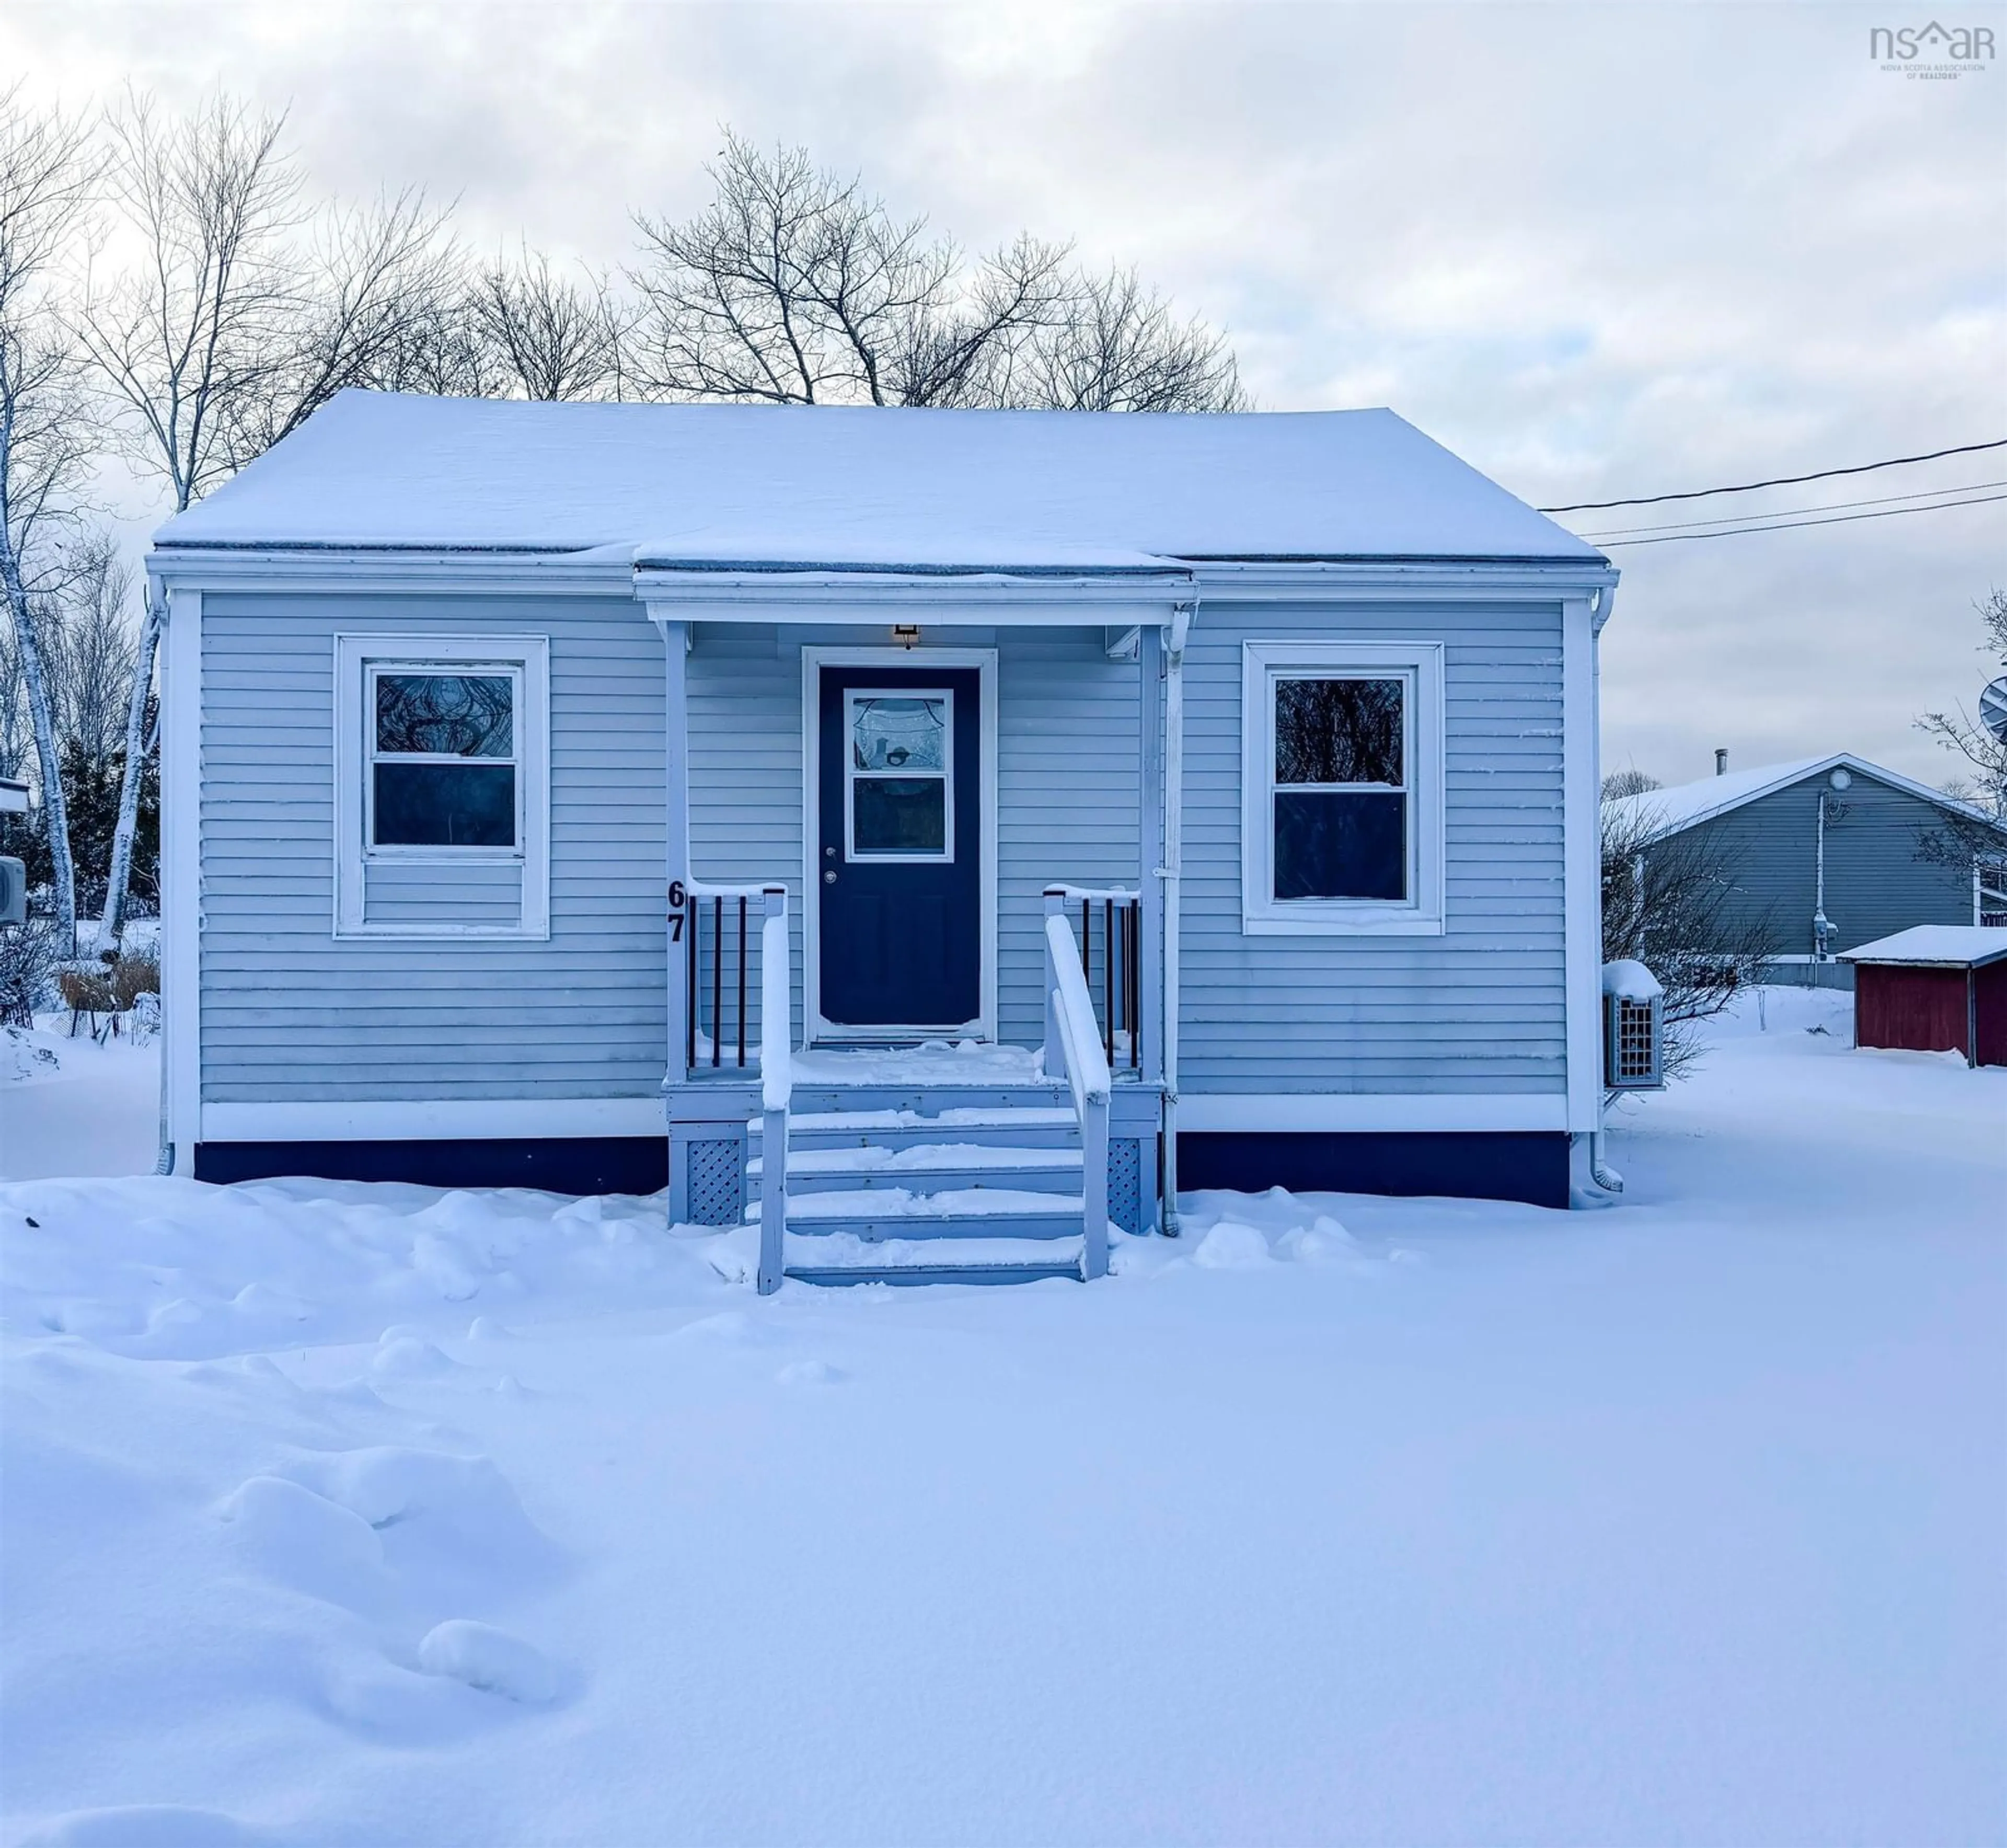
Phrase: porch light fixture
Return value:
(906, 634)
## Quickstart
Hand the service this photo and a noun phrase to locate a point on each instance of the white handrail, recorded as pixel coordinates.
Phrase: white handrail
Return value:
(777, 1056)
(777, 1080)
(1080, 1038)
(1095, 894)
(698, 889)
(1071, 1034)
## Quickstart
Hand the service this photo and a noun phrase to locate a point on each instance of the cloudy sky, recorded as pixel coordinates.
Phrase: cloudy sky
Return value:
(1603, 250)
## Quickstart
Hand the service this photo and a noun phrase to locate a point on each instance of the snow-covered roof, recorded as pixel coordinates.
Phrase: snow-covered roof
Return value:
(1944, 946)
(721, 484)
(1660, 812)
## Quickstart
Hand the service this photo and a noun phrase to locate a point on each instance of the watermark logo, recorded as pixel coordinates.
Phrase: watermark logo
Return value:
(1932, 53)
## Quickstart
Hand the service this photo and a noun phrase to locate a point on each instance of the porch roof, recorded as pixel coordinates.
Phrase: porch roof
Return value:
(738, 487)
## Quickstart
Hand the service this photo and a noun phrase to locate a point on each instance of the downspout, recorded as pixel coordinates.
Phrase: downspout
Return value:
(1821, 930)
(1599, 1170)
(1169, 872)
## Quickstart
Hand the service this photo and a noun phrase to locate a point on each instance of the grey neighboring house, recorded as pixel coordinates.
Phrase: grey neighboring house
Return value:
(550, 788)
(1869, 849)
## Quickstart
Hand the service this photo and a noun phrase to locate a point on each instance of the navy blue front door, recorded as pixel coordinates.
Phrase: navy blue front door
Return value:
(899, 851)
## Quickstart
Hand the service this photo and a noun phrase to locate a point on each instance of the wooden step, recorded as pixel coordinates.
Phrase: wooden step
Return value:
(837, 1276)
(963, 1213)
(839, 1259)
(1031, 1127)
(931, 1166)
(810, 1097)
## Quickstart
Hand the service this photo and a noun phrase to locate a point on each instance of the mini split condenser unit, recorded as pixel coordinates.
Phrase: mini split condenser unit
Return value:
(1634, 1028)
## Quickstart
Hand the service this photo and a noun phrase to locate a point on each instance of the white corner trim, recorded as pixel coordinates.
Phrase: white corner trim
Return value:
(813, 660)
(530, 655)
(1582, 854)
(1373, 1112)
(1260, 916)
(436, 1120)
(181, 873)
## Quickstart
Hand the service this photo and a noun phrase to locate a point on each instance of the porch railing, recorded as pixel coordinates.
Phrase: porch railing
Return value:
(716, 924)
(1073, 1049)
(1111, 923)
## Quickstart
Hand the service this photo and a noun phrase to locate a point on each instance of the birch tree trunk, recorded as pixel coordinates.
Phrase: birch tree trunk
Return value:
(55, 811)
(137, 749)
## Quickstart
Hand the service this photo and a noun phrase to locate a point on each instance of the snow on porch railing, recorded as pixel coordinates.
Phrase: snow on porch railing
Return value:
(715, 931)
(1119, 990)
(1073, 1047)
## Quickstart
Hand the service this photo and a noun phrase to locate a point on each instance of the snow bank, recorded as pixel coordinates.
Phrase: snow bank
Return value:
(347, 1514)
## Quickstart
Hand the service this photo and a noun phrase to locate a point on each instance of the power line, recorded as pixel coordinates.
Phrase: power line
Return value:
(1889, 512)
(1791, 513)
(1780, 481)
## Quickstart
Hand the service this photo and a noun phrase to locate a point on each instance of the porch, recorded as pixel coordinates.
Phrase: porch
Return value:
(963, 1063)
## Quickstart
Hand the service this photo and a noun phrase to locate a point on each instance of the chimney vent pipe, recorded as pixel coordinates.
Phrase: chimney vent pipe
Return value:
(1721, 763)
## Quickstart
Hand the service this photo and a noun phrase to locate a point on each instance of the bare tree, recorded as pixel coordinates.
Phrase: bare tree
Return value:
(47, 432)
(1119, 346)
(93, 647)
(1958, 840)
(796, 286)
(546, 336)
(1672, 903)
(1620, 783)
(237, 321)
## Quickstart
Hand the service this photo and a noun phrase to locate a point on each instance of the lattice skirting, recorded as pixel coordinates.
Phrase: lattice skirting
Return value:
(1127, 1203)
(714, 1176)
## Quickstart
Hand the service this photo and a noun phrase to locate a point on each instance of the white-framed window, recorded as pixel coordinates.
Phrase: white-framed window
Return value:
(899, 774)
(1342, 794)
(441, 782)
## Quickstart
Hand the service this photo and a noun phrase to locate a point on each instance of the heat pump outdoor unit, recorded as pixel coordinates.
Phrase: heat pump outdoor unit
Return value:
(1633, 1029)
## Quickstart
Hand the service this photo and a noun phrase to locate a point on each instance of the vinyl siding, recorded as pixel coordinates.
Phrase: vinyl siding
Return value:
(1875, 885)
(433, 893)
(1480, 1009)
(290, 1014)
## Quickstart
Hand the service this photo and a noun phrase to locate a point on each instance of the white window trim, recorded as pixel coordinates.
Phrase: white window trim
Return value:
(1262, 915)
(528, 658)
(945, 776)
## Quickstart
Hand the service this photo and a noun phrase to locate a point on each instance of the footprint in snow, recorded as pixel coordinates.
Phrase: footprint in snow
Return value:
(809, 1373)
(147, 1825)
(489, 1660)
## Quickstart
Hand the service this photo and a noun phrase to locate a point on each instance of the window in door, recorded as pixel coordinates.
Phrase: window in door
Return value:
(899, 796)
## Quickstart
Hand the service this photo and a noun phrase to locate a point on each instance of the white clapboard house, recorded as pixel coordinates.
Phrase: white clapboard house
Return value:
(941, 831)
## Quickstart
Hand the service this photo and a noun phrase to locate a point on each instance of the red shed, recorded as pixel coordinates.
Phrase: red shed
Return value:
(1936, 988)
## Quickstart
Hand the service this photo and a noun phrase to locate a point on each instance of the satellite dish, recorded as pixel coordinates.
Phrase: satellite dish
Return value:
(1993, 708)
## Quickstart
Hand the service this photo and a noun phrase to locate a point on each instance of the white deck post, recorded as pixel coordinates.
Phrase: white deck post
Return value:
(1174, 799)
(1149, 948)
(676, 823)
(776, 1084)
(1055, 1051)
(1094, 1178)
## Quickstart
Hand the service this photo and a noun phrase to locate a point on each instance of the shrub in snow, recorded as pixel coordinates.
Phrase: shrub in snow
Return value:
(488, 1658)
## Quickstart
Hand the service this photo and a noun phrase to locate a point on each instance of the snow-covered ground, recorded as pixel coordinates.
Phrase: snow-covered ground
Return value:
(345, 1515)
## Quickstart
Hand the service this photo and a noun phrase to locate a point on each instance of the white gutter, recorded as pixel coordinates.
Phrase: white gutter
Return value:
(1170, 873)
